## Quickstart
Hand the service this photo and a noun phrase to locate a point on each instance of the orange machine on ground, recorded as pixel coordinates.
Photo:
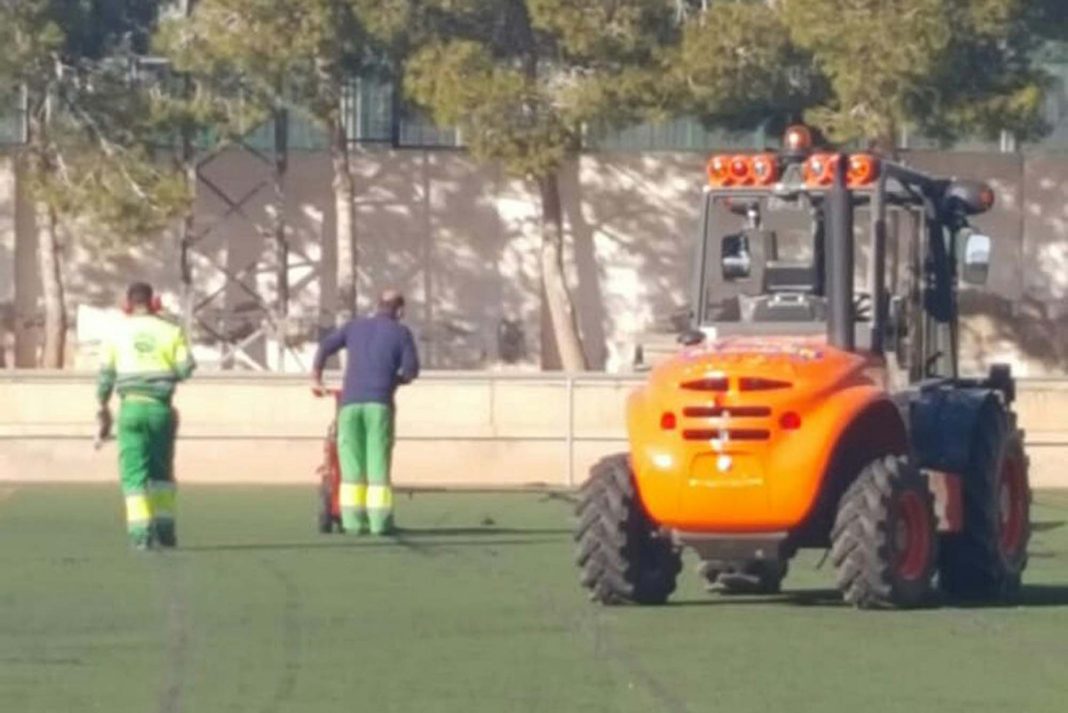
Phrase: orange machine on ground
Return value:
(816, 399)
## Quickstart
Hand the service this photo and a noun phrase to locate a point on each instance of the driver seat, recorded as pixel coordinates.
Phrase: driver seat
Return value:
(787, 294)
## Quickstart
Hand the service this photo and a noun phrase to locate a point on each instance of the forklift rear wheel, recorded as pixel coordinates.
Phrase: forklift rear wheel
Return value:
(884, 541)
(624, 559)
(988, 558)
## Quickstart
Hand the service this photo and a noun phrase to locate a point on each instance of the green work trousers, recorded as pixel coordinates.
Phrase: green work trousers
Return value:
(365, 449)
(146, 432)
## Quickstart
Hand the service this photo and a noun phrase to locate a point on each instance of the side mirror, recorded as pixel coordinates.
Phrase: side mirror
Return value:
(737, 262)
(691, 337)
(976, 266)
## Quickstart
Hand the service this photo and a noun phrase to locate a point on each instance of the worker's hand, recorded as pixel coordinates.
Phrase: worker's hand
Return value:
(103, 425)
(317, 387)
(104, 420)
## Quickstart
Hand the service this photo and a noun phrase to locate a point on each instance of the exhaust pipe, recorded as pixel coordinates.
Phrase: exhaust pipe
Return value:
(838, 219)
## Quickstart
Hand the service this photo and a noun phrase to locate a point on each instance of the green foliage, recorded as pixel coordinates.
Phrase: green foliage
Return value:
(273, 52)
(120, 199)
(198, 94)
(737, 67)
(92, 122)
(522, 78)
(29, 38)
(946, 67)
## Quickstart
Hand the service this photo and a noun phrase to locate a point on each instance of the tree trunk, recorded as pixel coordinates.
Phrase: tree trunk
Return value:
(187, 226)
(49, 261)
(344, 209)
(554, 282)
(50, 267)
(281, 244)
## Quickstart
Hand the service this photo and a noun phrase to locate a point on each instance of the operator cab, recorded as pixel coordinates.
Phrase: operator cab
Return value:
(765, 275)
(807, 243)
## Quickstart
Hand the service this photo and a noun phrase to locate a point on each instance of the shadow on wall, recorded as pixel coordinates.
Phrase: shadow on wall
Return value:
(996, 329)
(1022, 313)
(633, 221)
(7, 308)
(463, 240)
(483, 295)
(8, 232)
(231, 241)
(440, 227)
(589, 273)
(100, 278)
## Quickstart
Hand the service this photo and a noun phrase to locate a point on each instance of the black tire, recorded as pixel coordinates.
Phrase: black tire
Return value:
(622, 556)
(884, 541)
(987, 559)
(755, 577)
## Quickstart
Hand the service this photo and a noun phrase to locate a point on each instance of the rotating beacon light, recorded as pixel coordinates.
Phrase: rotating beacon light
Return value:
(797, 141)
(861, 170)
(742, 170)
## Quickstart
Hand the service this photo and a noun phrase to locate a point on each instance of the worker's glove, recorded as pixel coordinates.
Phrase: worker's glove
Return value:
(103, 426)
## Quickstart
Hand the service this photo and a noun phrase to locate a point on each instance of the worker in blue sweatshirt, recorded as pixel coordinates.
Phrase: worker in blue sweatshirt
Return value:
(381, 355)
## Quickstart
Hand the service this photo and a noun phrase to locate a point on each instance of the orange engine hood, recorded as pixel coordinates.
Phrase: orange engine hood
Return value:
(806, 363)
(752, 425)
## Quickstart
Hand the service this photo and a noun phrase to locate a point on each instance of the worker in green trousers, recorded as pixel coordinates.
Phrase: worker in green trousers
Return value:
(143, 360)
(381, 355)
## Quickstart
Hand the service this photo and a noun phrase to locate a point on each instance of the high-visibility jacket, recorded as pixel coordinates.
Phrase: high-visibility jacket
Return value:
(145, 355)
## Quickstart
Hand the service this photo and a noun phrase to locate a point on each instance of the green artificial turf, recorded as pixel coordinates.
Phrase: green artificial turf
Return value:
(475, 608)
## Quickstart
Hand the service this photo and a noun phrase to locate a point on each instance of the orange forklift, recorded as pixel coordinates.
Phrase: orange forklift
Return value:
(815, 400)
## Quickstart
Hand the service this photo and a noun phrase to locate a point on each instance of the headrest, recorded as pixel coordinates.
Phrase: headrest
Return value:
(789, 277)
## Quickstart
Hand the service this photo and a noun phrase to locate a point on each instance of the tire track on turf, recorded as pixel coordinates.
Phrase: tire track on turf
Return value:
(589, 619)
(592, 620)
(173, 578)
(655, 686)
(292, 637)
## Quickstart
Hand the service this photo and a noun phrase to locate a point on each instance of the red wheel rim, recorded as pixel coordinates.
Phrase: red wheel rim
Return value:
(912, 536)
(1012, 505)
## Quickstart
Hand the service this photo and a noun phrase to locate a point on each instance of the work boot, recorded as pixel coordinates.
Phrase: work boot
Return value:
(141, 540)
(383, 527)
(166, 535)
(354, 523)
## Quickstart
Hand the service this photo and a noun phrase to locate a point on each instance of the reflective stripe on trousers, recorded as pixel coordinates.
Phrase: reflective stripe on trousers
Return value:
(162, 497)
(138, 510)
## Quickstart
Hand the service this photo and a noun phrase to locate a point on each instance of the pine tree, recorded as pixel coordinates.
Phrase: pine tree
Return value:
(944, 67)
(299, 54)
(523, 80)
(89, 156)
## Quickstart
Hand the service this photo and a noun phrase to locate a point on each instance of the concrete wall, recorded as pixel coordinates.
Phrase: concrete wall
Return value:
(455, 430)
(461, 239)
(7, 263)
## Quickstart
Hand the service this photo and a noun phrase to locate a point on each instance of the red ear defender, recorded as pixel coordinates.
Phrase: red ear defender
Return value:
(126, 307)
